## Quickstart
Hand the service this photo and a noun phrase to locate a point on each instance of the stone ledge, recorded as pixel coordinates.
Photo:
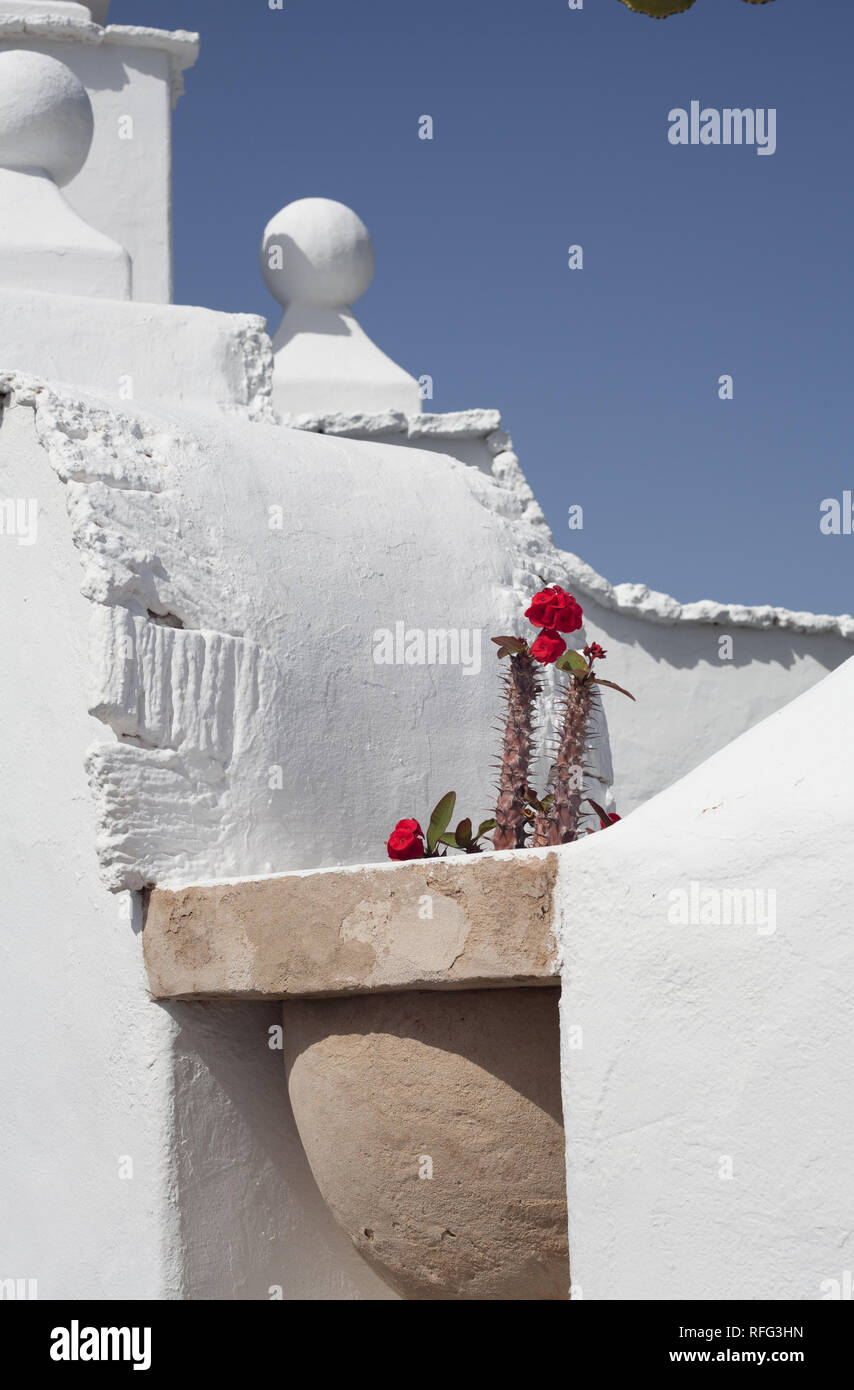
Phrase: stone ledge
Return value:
(359, 930)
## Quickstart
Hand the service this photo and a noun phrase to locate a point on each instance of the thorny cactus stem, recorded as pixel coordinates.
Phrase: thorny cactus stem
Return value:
(559, 824)
(522, 687)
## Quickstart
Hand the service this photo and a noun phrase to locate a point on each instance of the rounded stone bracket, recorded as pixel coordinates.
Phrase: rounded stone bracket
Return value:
(425, 1083)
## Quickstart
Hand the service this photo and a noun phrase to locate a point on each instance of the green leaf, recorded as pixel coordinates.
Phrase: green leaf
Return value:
(463, 832)
(440, 819)
(484, 826)
(448, 839)
(611, 684)
(572, 661)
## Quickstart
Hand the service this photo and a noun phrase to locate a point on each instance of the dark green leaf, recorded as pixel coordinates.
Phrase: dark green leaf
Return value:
(440, 819)
(484, 826)
(463, 832)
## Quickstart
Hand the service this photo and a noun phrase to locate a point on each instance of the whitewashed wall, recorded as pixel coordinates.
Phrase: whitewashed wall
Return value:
(695, 692)
(691, 700)
(221, 1203)
(707, 1060)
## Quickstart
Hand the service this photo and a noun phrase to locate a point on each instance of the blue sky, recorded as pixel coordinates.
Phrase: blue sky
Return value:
(551, 129)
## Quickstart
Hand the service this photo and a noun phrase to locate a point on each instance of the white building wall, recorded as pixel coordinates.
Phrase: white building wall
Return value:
(691, 702)
(707, 1074)
(221, 1202)
(86, 1059)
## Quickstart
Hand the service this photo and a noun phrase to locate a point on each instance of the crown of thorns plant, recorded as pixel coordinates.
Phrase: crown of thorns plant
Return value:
(523, 820)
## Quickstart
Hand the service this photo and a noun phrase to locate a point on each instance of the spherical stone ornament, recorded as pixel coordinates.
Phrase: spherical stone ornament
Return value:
(46, 117)
(317, 252)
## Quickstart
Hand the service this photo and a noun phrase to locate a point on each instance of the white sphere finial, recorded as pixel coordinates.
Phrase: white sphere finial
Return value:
(317, 252)
(46, 120)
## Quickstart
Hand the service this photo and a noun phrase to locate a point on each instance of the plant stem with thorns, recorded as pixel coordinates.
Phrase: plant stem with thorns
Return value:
(522, 687)
(559, 824)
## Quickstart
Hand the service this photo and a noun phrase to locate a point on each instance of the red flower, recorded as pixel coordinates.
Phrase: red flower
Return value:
(594, 652)
(613, 817)
(555, 609)
(406, 841)
(548, 647)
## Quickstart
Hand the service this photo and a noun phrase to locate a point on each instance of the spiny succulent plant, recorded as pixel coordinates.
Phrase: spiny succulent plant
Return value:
(557, 824)
(558, 815)
(661, 9)
(555, 819)
(521, 688)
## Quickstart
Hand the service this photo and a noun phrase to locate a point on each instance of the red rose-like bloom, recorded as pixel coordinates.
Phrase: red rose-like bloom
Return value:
(406, 841)
(556, 609)
(594, 652)
(548, 647)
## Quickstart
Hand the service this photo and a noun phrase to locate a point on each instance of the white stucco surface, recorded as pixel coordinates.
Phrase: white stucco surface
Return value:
(267, 545)
(133, 76)
(191, 694)
(46, 127)
(707, 1063)
(694, 692)
(691, 702)
(205, 361)
(218, 1202)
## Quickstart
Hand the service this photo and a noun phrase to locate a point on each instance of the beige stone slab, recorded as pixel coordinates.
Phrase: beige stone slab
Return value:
(357, 930)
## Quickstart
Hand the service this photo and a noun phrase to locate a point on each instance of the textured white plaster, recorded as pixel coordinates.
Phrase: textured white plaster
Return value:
(707, 1044)
(220, 1202)
(186, 704)
(461, 424)
(205, 361)
(171, 524)
(181, 46)
(655, 607)
(690, 701)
